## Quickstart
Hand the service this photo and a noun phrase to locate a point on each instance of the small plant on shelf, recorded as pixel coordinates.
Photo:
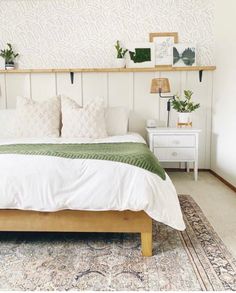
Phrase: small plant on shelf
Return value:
(120, 51)
(120, 55)
(9, 56)
(184, 106)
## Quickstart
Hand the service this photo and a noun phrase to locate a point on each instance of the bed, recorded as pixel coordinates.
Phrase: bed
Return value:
(51, 193)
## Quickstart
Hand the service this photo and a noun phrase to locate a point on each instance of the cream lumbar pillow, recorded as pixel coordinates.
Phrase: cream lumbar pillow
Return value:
(117, 119)
(86, 122)
(38, 119)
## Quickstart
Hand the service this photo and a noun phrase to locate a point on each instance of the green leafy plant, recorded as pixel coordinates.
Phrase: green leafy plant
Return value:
(8, 54)
(184, 105)
(120, 51)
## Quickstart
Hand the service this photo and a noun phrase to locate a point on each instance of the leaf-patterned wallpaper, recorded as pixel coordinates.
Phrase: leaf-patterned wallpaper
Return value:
(81, 33)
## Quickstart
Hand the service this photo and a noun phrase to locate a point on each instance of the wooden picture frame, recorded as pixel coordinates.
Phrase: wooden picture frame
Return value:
(164, 42)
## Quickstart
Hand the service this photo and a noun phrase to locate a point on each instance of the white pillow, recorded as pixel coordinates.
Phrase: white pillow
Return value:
(86, 122)
(7, 123)
(117, 120)
(38, 119)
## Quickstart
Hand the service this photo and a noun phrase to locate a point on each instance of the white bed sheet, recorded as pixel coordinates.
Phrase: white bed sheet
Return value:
(44, 183)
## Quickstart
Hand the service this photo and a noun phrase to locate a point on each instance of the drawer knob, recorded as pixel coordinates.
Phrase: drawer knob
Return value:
(174, 154)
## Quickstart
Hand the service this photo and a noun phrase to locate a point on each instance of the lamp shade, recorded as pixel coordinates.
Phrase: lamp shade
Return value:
(160, 85)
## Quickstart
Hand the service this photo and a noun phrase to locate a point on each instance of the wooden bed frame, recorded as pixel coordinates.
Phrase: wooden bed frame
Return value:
(80, 221)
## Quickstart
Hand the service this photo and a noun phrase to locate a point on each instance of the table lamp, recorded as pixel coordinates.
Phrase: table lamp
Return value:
(162, 85)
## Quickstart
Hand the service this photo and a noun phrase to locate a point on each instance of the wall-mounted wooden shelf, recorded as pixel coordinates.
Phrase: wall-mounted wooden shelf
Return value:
(155, 69)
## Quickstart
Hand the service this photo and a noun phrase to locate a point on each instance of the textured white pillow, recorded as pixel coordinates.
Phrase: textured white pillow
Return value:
(7, 123)
(117, 120)
(86, 122)
(38, 119)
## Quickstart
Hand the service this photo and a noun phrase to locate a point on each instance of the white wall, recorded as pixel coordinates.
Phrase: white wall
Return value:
(223, 147)
(82, 33)
(131, 90)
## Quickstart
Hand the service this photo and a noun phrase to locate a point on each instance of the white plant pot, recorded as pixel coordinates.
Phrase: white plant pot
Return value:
(184, 118)
(119, 62)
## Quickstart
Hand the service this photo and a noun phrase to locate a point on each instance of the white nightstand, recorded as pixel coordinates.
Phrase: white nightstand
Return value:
(175, 145)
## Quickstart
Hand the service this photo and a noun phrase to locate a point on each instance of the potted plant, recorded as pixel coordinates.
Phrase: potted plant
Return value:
(184, 107)
(120, 58)
(9, 56)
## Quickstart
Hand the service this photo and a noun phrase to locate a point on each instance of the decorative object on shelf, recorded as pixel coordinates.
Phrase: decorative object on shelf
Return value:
(162, 86)
(141, 55)
(184, 55)
(9, 56)
(120, 57)
(164, 43)
(184, 107)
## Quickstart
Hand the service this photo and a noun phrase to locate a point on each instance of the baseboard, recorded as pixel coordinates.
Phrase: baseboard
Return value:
(231, 186)
(184, 170)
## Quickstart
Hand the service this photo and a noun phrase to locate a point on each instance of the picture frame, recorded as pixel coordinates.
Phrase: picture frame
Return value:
(184, 55)
(164, 47)
(140, 55)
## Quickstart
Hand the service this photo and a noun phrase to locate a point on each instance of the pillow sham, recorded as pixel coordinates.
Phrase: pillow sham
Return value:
(86, 122)
(38, 119)
(117, 120)
(7, 123)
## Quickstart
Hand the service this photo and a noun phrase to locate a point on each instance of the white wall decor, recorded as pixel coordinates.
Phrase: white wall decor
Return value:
(184, 55)
(82, 33)
(164, 43)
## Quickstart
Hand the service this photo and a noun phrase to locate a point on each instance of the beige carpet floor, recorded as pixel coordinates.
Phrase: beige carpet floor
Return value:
(195, 259)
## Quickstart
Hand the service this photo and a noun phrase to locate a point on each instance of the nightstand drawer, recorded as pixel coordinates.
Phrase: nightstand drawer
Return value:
(174, 154)
(174, 141)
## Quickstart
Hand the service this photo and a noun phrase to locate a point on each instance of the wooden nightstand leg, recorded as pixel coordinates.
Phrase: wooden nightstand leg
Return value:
(146, 243)
(187, 167)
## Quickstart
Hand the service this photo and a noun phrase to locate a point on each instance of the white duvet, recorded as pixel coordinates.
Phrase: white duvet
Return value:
(45, 183)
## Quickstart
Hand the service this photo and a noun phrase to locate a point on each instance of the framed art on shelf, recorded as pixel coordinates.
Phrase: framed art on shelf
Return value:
(184, 55)
(164, 43)
(140, 55)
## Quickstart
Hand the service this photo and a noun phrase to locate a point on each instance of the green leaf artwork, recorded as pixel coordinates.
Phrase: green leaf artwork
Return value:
(140, 55)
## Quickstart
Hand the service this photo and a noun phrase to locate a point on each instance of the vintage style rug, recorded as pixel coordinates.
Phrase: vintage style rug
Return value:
(193, 260)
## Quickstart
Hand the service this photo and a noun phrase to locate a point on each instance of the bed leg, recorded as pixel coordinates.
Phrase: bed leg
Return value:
(146, 243)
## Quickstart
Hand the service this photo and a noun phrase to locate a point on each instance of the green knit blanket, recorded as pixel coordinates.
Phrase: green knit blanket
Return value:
(136, 154)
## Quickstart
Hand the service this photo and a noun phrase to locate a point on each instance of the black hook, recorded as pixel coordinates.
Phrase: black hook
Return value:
(72, 77)
(200, 75)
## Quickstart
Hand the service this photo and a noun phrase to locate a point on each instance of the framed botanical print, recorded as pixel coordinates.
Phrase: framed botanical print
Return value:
(164, 43)
(140, 55)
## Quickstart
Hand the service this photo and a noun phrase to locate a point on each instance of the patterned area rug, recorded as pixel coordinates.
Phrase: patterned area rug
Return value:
(193, 260)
